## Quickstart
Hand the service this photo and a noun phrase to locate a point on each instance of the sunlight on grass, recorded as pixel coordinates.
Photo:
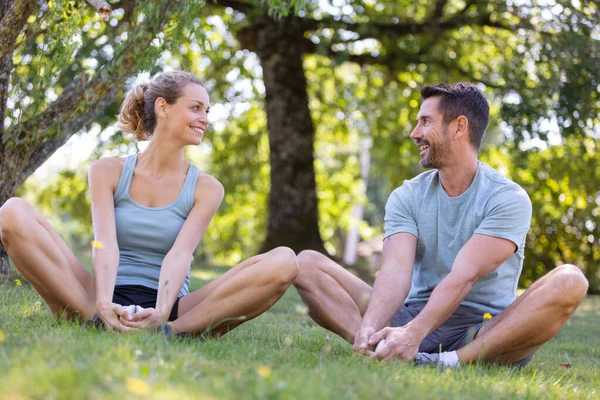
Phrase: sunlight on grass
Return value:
(281, 354)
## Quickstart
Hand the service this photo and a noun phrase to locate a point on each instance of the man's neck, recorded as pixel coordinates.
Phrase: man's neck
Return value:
(458, 176)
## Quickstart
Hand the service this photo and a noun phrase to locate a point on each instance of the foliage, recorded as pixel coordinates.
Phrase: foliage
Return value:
(239, 158)
(562, 182)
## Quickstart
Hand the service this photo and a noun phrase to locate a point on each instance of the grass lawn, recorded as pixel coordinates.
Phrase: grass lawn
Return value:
(281, 354)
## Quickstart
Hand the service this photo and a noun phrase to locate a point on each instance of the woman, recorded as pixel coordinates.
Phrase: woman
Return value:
(149, 213)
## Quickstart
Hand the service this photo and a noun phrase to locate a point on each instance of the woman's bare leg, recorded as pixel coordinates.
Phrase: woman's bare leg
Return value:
(242, 293)
(44, 259)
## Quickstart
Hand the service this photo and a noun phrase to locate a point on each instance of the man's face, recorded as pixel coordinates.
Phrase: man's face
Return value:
(431, 134)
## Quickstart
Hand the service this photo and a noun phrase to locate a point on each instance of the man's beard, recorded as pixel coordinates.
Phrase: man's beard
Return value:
(436, 153)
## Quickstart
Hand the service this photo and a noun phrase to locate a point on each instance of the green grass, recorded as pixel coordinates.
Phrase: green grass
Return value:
(281, 354)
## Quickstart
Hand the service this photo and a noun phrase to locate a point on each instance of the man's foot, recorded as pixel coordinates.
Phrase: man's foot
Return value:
(167, 330)
(95, 322)
(447, 359)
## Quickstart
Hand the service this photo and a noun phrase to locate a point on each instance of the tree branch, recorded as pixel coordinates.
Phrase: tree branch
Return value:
(236, 5)
(383, 31)
(395, 60)
(66, 114)
(49, 147)
(465, 73)
(438, 11)
(12, 23)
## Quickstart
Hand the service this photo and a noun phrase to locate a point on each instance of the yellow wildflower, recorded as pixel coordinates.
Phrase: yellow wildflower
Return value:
(18, 282)
(487, 316)
(301, 310)
(96, 244)
(264, 371)
(2, 337)
(137, 386)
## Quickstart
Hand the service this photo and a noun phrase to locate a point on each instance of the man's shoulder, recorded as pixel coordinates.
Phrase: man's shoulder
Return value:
(418, 183)
(501, 189)
(498, 181)
(411, 190)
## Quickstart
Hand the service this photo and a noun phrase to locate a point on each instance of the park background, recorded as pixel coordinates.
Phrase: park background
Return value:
(306, 95)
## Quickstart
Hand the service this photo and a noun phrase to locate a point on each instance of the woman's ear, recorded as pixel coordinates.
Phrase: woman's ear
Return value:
(160, 107)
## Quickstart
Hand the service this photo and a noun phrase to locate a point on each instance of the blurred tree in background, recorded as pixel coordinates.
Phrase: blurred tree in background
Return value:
(339, 71)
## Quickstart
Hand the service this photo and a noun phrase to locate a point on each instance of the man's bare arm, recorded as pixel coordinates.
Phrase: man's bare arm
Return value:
(391, 286)
(480, 255)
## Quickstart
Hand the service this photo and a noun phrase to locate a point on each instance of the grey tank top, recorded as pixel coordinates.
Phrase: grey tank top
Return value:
(146, 234)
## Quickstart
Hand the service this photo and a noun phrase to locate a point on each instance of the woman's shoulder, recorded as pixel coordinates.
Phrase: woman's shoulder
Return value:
(107, 167)
(208, 184)
(108, 163)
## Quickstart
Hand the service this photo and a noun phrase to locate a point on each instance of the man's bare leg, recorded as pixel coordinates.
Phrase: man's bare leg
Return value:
(336, 299)
(533, 319)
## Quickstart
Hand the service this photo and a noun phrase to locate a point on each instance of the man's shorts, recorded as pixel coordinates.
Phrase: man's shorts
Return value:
(142, 296)
(456, 332)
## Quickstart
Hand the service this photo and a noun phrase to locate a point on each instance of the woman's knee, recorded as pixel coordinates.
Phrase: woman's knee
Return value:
(12, 214)
(286, 263)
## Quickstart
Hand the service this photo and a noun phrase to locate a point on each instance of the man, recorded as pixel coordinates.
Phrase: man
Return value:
(452, 253)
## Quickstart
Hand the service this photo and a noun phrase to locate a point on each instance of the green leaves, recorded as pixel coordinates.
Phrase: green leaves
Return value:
(562, 182)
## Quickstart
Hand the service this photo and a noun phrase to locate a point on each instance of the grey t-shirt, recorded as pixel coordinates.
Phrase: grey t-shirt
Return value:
(493, 205)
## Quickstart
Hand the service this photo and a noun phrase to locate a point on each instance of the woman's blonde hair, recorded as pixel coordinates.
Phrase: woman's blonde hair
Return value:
(137, 114)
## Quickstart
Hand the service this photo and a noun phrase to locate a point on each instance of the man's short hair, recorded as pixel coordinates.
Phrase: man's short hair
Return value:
(462, 98)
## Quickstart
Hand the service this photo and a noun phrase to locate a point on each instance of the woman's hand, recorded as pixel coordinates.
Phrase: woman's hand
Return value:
(148, 319)
(112, 315)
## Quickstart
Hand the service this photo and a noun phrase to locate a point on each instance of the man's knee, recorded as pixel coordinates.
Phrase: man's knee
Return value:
(308, 261)
(571, 282)
(12, 214)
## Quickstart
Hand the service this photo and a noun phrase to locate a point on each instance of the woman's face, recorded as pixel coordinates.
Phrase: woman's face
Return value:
(188, 118)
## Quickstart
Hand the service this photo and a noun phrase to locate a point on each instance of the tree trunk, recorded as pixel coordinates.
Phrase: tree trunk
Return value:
(10, 176)
(5, 69)
(293, 215)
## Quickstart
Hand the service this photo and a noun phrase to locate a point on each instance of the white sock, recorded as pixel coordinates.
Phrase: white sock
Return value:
(449, 359)
(130, 310)
(133, 309)
(380, 345)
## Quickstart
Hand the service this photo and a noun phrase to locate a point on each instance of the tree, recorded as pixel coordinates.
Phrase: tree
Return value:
(61, 68)
(537, 59)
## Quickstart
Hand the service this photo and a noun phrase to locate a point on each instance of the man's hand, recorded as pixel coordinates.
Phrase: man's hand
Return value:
(148, 319)
(361, 339)
(112, 315)
(400, 343)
